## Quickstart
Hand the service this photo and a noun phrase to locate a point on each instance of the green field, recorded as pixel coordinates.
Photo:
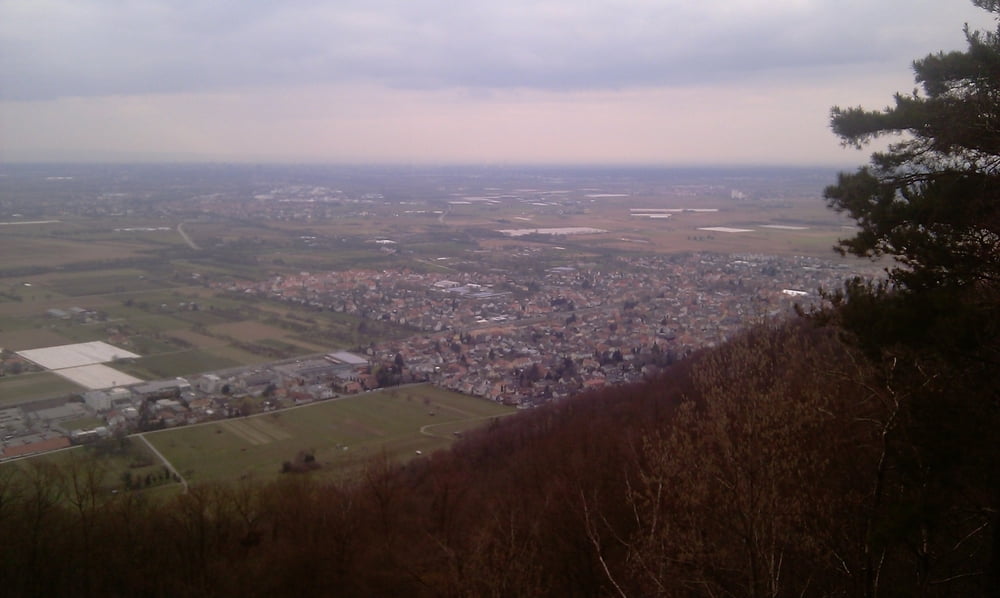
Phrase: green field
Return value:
(33, 385)
(109, 281)
(31, 336)
(80, 333)
(340, 433)
(178, 363)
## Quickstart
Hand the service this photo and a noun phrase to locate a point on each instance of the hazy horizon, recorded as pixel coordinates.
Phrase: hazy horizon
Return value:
(677, 82)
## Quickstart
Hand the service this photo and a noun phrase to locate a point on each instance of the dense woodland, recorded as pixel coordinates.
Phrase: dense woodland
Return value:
(850, 452)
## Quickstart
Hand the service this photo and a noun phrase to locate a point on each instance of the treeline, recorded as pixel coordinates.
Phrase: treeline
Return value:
(784, 463)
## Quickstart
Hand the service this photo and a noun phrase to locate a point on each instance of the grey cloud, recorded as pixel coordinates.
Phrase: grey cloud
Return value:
(92, 47)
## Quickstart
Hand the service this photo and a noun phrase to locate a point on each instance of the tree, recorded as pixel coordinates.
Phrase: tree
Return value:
(931, 199)
(931, 202)
(760, 485)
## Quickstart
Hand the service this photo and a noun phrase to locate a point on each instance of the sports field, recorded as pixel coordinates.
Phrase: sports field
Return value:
(340, 434)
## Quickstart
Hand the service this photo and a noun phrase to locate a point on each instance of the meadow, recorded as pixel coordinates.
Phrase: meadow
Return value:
(339, 434)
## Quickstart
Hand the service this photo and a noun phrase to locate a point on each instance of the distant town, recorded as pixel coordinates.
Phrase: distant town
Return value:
(254, 298)
(507, 337)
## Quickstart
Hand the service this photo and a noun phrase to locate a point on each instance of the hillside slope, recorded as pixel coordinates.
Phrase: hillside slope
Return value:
(783, 463)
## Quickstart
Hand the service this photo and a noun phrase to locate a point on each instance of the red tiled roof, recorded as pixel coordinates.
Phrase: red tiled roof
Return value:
(36, 447)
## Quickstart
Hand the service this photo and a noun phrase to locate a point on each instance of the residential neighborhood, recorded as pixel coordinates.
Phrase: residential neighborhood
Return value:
(508, 336)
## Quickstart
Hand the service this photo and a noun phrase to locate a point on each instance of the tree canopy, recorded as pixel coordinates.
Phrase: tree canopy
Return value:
(931, 203)
(931, 199)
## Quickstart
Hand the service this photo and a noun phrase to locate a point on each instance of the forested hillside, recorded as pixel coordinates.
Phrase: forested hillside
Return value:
(784, 463)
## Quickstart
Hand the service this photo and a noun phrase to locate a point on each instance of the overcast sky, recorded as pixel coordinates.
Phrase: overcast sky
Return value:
(463, 81)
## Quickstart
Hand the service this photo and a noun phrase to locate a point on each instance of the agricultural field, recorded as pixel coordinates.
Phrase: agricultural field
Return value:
(16, 338)
(120, 281)
(140, 291)
(47, 251)
(176, 363)
(147, 257)
(811, 229)
(34, 385)
(339, 434)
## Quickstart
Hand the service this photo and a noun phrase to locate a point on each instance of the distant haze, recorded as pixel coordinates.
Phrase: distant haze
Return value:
(429, 81)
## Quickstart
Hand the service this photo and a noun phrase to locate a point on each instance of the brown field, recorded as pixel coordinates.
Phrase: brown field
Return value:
(680, 233)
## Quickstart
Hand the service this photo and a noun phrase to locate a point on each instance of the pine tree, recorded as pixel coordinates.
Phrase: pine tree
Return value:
(931, 202)
(931, 199)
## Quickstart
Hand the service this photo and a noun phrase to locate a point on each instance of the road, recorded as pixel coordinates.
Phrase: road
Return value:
(187, 239)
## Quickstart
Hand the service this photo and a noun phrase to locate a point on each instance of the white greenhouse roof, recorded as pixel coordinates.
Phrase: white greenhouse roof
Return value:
(75, 355)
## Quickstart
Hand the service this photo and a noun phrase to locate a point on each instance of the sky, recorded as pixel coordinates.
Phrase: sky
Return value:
(671, 82)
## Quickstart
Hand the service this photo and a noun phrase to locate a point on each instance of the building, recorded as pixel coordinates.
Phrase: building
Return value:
(98, 400)
(161, 389)
(346, 358)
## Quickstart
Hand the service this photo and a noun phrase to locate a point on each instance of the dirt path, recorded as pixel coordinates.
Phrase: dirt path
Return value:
(166, 463)
(187, 239)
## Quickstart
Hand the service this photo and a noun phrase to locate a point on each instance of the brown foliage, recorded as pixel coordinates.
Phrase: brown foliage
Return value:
(781, 464)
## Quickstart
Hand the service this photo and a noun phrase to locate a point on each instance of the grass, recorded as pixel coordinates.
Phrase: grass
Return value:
(34, 385)
(206, 318)
(110, 281)
(112, 462)
(248, 331)
(236, 355)
(20, 339)
(47, 251)
(156, 322)
(83, 423)
(340, 433)
(81, 333)
(179, 363)
(145, 345)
